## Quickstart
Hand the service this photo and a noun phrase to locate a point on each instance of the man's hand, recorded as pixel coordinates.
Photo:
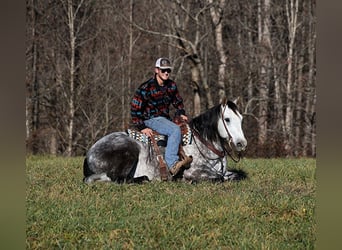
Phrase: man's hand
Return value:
(147, 131)
(184, 118)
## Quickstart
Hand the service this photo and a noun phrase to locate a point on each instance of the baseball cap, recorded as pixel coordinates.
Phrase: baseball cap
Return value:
(163, 63)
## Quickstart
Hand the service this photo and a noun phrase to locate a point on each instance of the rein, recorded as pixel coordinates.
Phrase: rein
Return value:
(219, 153)
(231, 155)
(208, 144)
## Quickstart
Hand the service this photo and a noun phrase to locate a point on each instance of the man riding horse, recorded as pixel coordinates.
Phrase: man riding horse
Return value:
(150, 112)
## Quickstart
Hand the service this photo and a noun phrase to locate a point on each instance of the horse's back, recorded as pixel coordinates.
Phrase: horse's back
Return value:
(110, 142)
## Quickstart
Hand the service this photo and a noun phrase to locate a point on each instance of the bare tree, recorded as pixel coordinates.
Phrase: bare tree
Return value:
(71, 21)
(217, 15)
(32, 104)
(85, 58)
(292, 14)
(309, 137)
(264, 39)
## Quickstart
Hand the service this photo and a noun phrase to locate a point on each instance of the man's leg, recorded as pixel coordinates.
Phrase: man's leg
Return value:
(172, 130)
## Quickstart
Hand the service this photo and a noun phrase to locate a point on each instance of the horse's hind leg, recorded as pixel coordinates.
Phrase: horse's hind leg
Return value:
(86, 170)
(123, 164)
(90, 176)
(112, 158)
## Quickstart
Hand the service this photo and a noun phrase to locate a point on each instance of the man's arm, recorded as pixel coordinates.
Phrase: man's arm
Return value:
(177, 101)
(137, 106)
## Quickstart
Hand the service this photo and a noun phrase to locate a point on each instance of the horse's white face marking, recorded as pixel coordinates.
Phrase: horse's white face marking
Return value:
(230, 127)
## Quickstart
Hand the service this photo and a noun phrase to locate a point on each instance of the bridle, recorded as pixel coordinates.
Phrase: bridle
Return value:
(225, 151)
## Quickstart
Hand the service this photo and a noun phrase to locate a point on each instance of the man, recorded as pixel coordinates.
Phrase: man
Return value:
(150, 111)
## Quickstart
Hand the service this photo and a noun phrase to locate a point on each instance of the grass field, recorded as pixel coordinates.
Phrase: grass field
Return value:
(273, 209)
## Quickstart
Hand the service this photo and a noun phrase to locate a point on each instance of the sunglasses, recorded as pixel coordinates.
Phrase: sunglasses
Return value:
(165, 70)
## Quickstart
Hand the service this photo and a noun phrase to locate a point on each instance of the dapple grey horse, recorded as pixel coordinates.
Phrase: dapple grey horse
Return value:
(214, 135)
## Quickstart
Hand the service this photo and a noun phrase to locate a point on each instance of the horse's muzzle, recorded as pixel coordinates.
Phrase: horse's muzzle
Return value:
(240, 145)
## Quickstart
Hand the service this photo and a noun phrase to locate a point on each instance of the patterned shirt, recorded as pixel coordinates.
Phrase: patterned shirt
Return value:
(152, 100)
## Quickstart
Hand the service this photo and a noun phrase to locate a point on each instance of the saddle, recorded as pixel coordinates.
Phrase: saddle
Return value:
(161, 140)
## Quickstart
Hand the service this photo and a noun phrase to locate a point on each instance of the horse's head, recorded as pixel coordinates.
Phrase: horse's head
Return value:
(230, 125)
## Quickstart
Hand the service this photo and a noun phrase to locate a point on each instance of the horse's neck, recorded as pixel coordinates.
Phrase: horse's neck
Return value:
(204, 135)
(209, 139)
(205, 125)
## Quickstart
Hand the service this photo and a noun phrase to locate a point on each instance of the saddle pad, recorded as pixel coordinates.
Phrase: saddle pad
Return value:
(186, 134)
(137, 135)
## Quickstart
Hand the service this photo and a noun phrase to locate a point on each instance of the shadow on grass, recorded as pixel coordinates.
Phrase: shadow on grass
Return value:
(234, 175)
(239, 174)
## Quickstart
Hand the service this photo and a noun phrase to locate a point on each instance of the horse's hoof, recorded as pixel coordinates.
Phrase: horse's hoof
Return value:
(87, 180)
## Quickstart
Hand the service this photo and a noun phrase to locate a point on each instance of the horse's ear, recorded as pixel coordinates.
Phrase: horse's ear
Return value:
(224, 101)
(236, 100)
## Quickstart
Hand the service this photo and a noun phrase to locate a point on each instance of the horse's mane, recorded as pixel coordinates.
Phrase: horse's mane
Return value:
(206, 123)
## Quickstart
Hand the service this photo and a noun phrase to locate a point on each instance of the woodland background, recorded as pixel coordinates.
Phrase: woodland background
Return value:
(84, 60)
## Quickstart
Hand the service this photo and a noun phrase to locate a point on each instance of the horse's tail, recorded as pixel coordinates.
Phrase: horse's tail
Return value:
(86, 170)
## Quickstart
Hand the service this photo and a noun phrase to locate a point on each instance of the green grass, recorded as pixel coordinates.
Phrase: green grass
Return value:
(272, 209)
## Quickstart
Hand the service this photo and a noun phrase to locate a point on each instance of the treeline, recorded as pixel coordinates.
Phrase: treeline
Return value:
(85, 58)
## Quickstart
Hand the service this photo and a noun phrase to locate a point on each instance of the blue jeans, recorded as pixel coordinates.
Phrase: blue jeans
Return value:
(166, 127)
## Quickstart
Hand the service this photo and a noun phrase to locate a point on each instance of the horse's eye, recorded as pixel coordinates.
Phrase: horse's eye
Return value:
(227, 120)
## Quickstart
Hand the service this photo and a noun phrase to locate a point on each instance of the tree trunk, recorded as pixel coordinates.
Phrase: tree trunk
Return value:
(310, 103)
(300, 123)
(125, 116)
(32, 99)
(250, 92)
(71, 104)
(265, 46)
(292, 13)
(195, 76)
(278, 101)
(108, 94)
(216, 16)
(313, 125)
(35, 82)
(299, 110)
(57, 93)
(191, 50)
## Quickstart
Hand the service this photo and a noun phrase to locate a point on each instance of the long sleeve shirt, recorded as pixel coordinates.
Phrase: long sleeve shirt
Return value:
(152, 100)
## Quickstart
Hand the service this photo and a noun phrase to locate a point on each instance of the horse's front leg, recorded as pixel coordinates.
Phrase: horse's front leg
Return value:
(97, 177)
(202, 173)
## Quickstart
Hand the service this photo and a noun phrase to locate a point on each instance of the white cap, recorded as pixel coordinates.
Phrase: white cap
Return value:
(163, 63)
